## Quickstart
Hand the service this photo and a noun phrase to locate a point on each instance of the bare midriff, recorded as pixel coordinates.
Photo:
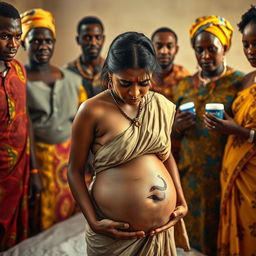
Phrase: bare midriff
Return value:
(140, 192)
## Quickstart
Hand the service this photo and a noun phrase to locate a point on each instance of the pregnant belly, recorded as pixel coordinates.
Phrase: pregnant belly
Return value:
(140, 192)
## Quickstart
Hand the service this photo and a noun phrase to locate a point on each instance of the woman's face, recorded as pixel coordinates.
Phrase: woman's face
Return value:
(209, 51)
(131, 85)
(249, 43)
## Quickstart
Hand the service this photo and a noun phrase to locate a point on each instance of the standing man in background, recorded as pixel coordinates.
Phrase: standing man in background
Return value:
(90, 37)
(165, 43)
(53, 97)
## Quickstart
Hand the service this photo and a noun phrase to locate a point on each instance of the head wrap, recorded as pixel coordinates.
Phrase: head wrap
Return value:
(37, 18)
(216, 25)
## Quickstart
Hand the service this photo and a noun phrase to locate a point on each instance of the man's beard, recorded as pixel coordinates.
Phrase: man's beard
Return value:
(91, 56)
(167, 64)
(164, 66)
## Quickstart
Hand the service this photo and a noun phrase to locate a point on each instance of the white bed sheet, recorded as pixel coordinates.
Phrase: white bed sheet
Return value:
(63, 239)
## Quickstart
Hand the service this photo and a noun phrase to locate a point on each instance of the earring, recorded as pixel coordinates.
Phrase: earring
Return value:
(110, 83)
(224, 60)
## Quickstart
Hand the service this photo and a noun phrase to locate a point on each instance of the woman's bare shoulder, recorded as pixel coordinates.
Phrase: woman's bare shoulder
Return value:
(96, 106)
(249, 76)
(248, 79)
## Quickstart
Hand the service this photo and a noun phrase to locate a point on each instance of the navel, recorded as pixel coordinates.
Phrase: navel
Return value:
(158, 191)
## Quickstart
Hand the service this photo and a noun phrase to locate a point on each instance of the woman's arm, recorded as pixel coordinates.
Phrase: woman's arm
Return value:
(82, 136)
(82, 139)
(181, 206)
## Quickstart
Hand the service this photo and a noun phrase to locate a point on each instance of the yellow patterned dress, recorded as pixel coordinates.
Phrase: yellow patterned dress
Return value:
(237, 230)
(201, 154)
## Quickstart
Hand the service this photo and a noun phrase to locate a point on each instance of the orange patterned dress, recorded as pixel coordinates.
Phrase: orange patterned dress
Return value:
(168, 85)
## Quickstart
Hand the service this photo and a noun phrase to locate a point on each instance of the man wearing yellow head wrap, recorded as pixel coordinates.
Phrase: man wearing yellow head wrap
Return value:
(53, 96)
(216, 25)
(37, 18)
(202, 149)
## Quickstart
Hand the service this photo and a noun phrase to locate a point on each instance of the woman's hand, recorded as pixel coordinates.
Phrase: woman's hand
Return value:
(116, 230)
(227, 126)
(183, 121)
(178, 213)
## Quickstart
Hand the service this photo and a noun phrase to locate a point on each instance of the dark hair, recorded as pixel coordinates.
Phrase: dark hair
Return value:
(248, 17)
(165, 29)
(130, 50)
(8, 11)
(89, 20)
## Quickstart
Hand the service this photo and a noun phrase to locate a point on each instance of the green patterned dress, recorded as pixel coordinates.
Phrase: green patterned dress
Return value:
(201, 154)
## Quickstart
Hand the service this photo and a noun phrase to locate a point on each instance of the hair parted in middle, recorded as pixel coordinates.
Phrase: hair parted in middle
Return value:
(130, 50)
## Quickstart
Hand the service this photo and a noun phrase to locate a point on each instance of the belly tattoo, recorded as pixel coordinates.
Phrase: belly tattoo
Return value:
(159, 194)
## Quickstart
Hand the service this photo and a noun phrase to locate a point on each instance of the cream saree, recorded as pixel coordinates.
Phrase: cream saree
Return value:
(152, 137)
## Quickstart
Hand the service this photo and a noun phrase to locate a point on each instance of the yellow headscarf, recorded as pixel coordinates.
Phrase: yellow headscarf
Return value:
(37, 18)
(215, 25)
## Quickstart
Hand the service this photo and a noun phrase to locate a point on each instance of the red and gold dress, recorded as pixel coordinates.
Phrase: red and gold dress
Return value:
(14, 157)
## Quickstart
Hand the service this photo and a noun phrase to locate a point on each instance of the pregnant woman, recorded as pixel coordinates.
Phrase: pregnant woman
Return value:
(136, 197)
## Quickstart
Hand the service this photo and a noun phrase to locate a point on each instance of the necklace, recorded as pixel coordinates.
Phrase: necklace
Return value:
(84, 72)
(135, 120)
(207, 80)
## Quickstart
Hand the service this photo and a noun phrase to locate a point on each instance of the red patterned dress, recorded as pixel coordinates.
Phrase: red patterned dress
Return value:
(14, 157)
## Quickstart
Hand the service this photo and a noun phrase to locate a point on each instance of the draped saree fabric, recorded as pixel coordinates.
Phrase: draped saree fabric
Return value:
(152, 137)
(237, 229)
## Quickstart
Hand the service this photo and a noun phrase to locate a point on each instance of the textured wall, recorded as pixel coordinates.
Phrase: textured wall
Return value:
(139, 15)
